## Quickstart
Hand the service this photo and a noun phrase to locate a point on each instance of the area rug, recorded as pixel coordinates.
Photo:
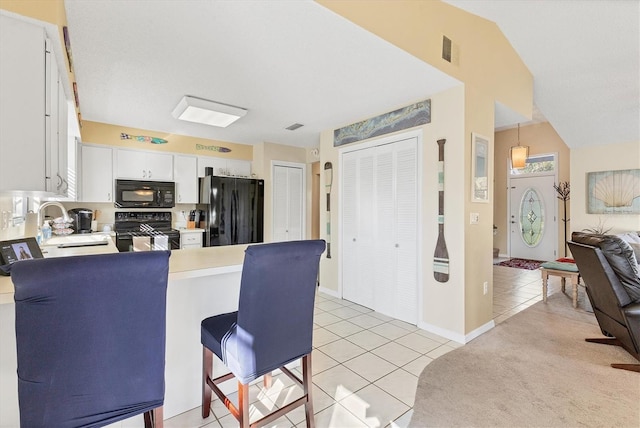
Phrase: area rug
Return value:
(521, 264)
(532, 370)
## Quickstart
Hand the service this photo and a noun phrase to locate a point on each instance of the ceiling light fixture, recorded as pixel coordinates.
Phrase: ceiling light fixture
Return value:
(199, 110)
(519, 154)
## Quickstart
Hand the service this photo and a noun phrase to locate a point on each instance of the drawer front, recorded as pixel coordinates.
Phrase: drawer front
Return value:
(192, 238)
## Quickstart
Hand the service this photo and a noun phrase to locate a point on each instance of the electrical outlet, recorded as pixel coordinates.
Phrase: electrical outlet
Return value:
(485, 287)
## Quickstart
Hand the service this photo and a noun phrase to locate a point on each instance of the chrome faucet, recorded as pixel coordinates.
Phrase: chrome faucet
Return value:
(65, 215)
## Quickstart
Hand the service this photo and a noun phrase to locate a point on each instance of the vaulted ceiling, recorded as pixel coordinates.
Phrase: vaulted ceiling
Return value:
(296, 62)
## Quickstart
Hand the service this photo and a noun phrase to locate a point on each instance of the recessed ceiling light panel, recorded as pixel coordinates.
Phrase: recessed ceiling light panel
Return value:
(199, 110)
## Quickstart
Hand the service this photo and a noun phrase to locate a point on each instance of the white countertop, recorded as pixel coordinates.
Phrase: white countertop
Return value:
(186, 263)
(196, 230)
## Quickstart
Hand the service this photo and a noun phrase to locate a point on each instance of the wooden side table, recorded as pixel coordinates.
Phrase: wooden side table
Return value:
(564, 274)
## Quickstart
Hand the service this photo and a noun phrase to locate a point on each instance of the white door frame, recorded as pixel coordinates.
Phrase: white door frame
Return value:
(276, 163)
(554, 173)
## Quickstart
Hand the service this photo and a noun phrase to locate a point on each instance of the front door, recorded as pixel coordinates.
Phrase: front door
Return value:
(533, 226)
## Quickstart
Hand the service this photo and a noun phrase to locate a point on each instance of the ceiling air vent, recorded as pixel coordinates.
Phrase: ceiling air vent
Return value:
(294, 126)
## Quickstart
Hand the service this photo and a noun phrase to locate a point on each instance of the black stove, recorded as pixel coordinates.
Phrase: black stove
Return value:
(145, 231)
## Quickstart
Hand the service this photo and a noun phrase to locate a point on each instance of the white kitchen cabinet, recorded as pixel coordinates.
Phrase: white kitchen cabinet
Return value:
(185, 174)
(288, 202)
(144, 165)
(191, 238)
(97, 174)
(210, 162)
(56, 110)
(379, 228)
(31, 158)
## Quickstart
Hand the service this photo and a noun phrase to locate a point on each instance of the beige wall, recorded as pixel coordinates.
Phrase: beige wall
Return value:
(491, 71)
(601, 158)
(478, 238)
(264, 154)
(541, 139)
(486, 59)
(109, 134)
(452, 308)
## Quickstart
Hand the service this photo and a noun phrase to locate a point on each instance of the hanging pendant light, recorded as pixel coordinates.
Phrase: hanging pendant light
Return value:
(519, 154)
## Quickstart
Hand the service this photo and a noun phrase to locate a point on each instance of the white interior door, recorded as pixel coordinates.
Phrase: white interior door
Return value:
(533, 226)
(288, 203)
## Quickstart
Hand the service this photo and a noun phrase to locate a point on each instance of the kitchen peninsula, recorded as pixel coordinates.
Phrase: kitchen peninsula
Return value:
(202, 282)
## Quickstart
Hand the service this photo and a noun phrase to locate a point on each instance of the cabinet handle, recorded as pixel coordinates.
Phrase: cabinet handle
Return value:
(109, 197)
(354, 239)
(149, 173)
(397, 245)
(59, 181)
(179, 198)
(66, 185)
(144, 174)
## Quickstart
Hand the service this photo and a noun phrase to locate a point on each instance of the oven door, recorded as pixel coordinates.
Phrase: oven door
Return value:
(141, 241)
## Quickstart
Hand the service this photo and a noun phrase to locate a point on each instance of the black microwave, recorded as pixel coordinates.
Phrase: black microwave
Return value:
(144, 194)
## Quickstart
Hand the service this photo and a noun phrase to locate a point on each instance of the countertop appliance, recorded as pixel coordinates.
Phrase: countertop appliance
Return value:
(82, 218)
(231, 210)
(144, 194)
(145, 231)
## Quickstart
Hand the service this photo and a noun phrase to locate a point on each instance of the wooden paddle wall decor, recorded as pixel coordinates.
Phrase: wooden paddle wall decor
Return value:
(441, 255)
(328, 182)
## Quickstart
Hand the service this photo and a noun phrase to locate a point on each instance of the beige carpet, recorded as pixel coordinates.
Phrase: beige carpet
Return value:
(532, 370)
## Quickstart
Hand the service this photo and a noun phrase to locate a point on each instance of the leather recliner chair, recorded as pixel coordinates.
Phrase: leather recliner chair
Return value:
(613, 288)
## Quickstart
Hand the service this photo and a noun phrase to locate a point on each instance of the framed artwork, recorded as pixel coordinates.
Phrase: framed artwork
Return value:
(613, 192)
(479, 168)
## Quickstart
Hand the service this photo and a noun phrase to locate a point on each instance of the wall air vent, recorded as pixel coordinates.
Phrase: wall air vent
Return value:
(446, 48)
(450, 51)
(294, 126)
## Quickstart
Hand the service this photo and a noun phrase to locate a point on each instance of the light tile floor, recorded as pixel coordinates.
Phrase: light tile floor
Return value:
(365, 364)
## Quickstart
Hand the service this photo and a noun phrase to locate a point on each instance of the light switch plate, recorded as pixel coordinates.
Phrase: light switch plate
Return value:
(474, 218)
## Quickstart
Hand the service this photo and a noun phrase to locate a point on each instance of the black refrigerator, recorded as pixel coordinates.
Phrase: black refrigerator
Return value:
(232, 210)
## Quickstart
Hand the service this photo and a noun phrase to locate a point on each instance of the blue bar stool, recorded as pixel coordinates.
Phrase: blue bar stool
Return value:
(272, 327)
(90, 333)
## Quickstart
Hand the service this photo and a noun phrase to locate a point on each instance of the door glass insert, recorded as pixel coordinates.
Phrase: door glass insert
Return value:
(537, 164)
(531, 217)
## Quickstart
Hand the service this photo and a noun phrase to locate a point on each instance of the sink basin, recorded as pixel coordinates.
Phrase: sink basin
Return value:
(75, 239)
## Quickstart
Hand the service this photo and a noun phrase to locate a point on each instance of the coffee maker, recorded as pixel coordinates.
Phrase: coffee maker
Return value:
(82, 218)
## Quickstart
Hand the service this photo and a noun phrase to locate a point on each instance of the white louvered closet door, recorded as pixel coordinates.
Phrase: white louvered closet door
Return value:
(380, 234)
(406, 222)
(384, 246)
(350, 220)
(358, 235)
(288, 195)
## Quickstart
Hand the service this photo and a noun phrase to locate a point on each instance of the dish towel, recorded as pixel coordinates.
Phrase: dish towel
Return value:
(141, 243)
(161, 242)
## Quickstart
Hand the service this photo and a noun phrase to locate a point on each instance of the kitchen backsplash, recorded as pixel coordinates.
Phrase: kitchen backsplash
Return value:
(107, 212)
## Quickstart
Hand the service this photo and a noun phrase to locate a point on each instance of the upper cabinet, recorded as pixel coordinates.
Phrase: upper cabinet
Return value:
(186, 178)
(97, 174)
(224, 167)
(143, 165)
(32, 139)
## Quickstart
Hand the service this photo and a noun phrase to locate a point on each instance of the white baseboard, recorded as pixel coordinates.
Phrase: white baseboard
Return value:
(456, 337)
(332, 293)
(480, 330)
(447, 334)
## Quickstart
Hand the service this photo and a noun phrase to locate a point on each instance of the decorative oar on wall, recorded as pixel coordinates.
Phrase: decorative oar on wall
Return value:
(441, 255)
(328, 181)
